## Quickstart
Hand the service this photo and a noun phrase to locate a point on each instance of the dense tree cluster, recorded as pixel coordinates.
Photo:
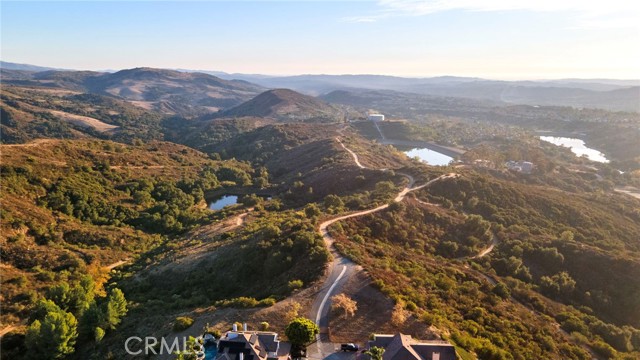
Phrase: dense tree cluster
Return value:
(546, 249)
(70, 313)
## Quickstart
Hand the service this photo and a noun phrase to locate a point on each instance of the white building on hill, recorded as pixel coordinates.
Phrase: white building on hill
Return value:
(376, 117)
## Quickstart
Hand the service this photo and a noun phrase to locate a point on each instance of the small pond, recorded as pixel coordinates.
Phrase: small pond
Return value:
(223, 201)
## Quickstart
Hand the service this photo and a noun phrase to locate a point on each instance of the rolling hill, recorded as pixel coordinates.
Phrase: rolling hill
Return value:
(166, 91)
(286, 105)
(185, 91)
(5, 65)
(35, 113)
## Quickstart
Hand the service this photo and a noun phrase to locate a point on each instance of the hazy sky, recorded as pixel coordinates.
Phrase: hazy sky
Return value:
(505, 39)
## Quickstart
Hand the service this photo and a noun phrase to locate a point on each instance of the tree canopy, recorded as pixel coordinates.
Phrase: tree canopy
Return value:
(301, 331)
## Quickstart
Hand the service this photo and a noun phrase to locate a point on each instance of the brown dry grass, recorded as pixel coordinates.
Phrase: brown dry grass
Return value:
(373, 315)
(84, 121)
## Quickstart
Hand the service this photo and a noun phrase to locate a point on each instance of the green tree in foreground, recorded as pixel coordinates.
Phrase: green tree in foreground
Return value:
(116, 308)
(301, 331)
(375, 353)
(53, 338)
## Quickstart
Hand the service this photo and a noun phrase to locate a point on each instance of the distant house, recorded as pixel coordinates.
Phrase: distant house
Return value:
(483, 163)
(252, 345)
(376, 117)
(403, 347)
(524, 167)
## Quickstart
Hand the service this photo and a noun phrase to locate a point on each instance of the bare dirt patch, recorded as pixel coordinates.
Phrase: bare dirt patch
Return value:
(147, 105)
(84, 121)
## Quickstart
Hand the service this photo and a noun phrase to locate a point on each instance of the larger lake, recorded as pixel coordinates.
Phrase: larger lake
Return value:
(577, 146)
(429, 156)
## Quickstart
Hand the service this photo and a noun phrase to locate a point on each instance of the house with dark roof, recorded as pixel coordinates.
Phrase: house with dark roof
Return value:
(403, 347)
(252, 345)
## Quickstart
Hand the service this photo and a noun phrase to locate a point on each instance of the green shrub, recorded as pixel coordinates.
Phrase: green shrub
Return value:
(603, 349)
(244, 302)
(182, 323)
(295, 284)
(98, 334)
(501, 290)
(267, 302)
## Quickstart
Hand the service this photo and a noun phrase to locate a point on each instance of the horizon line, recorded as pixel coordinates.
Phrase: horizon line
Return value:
(184, 69)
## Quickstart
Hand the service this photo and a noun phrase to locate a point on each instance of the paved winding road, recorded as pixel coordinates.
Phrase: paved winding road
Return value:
(340, 269)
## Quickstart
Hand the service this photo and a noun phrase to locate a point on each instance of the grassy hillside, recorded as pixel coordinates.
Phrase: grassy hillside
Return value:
(34, 113)
(205, 133)
(77, 205)
(73, 207)
(70, 204)
(309, 157)
(548, 266)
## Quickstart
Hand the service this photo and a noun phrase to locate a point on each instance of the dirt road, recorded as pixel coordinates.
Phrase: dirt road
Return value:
(340, 269)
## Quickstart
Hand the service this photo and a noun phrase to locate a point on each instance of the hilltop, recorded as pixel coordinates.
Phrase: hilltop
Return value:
(286, 105)
(168, 90)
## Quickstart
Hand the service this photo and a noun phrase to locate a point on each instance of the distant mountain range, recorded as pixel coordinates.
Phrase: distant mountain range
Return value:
(617, 95)
(166, 91)
(23, 67)
(609, 94)
(182, 90)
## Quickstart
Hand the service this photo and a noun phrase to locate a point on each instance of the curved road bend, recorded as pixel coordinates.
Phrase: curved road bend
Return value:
(340, 269)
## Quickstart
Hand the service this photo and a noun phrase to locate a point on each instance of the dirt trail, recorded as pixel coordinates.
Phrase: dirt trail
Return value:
(7, 330)
(488, 250)
(629, 190)
(354, 155)
(340, 268)
(116, 264)
(34, 143)
(140, 167)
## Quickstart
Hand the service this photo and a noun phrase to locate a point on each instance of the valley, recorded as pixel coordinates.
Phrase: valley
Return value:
(226, 202)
